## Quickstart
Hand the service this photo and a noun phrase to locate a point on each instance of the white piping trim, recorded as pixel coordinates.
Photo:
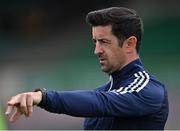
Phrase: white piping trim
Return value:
(130, 85)
(140, 82)
(145, 83)
(111, 79)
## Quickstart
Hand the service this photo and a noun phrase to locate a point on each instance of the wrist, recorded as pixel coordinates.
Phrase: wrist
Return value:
(40, 96)
(37, 97)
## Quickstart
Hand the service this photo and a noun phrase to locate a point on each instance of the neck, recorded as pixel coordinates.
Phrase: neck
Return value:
(129, 59)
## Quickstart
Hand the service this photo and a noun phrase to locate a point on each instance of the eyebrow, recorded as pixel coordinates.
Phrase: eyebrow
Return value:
(103, 39)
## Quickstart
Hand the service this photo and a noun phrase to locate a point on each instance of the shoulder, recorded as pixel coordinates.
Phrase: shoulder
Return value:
(135, 82)
(154, 91)
(144, 85)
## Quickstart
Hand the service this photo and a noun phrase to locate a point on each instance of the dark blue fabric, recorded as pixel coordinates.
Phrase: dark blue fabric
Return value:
(136, 100)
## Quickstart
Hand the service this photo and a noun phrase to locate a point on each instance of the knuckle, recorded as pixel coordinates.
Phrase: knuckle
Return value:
(11, 101)
(23, 94)
(19, 96)
(29, 95)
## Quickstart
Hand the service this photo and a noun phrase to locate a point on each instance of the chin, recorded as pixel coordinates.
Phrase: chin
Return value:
(105, 70)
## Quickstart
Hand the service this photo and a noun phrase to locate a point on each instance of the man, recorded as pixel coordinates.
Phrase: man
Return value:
(132, 99)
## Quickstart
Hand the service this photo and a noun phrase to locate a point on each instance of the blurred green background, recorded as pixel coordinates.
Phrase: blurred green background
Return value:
(48, 44)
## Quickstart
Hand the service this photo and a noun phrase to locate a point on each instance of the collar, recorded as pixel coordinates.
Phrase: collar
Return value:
(128, 70)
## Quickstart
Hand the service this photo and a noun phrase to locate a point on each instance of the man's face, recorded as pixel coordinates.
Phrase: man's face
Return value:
(111, 55)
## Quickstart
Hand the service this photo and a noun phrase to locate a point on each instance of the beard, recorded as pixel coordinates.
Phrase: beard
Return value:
(106, 67)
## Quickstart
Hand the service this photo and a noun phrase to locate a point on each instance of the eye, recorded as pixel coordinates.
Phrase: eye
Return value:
(105, 42)
(94, 41)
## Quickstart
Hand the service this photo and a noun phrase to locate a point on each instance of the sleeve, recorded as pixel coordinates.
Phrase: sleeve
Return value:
(101, 103)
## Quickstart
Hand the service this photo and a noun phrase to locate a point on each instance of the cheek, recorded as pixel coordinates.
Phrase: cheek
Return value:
(117, 57)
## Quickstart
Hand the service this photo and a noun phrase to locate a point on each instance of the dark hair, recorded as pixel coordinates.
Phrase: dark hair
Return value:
(125, 22)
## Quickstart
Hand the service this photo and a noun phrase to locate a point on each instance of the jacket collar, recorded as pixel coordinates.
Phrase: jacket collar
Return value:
(128, 70)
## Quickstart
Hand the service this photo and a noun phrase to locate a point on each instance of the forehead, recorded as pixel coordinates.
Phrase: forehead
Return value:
(102, 31)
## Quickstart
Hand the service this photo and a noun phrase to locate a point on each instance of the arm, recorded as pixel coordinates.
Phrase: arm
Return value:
(89, 103)
(23, 103)
(101, 103)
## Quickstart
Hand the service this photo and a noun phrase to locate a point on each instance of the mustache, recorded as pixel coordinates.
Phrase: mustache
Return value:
(102, 57)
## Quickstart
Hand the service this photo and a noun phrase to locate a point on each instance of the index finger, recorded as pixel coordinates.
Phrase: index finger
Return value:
(9, 109)
(11, 103)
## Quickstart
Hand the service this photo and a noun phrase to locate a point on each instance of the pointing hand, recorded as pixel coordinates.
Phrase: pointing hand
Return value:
(22, 104)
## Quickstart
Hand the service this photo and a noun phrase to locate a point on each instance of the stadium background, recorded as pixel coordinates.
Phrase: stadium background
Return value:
(48, 44)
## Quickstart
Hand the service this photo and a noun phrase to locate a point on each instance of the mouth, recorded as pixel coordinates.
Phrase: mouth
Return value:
(102, 60)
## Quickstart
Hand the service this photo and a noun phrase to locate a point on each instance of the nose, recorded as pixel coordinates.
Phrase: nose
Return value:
(98, 49)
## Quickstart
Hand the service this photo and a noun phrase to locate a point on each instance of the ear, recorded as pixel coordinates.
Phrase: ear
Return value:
(130, 44)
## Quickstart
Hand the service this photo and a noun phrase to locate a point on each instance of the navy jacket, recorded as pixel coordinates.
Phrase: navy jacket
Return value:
(132, 99)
